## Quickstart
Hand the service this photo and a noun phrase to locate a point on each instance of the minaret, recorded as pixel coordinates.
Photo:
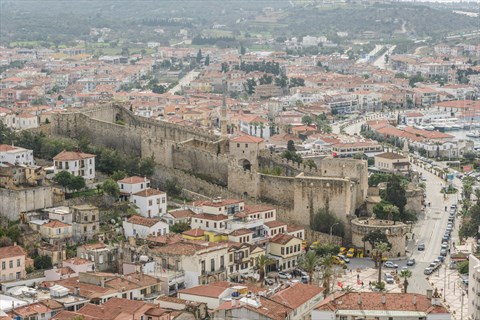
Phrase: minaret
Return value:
(223, 110)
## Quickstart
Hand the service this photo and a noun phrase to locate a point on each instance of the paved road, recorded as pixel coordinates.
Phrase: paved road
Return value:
(185, 81)
(380, 62)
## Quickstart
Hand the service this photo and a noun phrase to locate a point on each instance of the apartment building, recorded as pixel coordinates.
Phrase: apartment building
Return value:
(12, 263)
(77, 163)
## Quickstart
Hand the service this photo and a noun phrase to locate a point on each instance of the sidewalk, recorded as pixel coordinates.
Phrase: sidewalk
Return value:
(449, 281)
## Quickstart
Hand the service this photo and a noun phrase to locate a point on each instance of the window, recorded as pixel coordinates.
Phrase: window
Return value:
(85, 218)
(214, 224)
(93, 217)
(158, 201)
(212, 265)
(238, 145)
(18, 262)
(18, 275)
(94, 228)
(206, 224)
(150, 202)
(343, 317)
(10, 263)
(282, 251)
(84, 229)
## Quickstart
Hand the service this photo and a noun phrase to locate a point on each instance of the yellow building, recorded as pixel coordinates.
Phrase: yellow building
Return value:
(285, 249)
(56, 230)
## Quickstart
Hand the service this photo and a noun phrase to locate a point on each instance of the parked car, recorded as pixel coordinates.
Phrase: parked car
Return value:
(337, 260)
(284, 275)
(388, 278)
(428, 271)
(445, 245)
(421, 247)
(351, 253)
(343, 250)
(390, 264)
(341, 256)
(441, 258)
(410, 262)
(269, 281)
(443, 252)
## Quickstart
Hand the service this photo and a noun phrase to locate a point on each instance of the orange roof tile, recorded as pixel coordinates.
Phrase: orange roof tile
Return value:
(72, 155)
(247, 139)
(149, 192)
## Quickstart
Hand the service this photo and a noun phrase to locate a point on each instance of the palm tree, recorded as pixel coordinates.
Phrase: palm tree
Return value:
(405, 274)
(327, 264)
(379, 249)
(308, 262)
(392, 212)
(262, 262)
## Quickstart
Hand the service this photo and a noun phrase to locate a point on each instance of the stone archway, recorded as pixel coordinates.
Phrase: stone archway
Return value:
(245, 164)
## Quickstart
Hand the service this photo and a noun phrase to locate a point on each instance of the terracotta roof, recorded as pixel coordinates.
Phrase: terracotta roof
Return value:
(213, 217)
(197, 232)
(6, 147)
(297, 294)
(373, 301)
(143, 221)
(282, 239)
(149, 192)
(133, 180)
(294, 228)
(173, 300)
(186, 248)
(11, 251)
(257, 208)
(391, 155)
(55, 224)
(94, 246)
(269, 308)
(31, 310)
(165, 239)
(247, 139)
(274, 224)
(72, 155)
(178, 214)
(220, 203)
(240, 232)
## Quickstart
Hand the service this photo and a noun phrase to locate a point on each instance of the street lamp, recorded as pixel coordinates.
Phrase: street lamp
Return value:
(331, 229)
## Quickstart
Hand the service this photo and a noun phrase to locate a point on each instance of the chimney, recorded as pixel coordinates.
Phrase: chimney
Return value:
(429, 294)
(414, 299)
(76, 291)
(383, 298)
(359, 299)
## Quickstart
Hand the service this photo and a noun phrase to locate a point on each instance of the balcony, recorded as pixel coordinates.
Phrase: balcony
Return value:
(209, 273)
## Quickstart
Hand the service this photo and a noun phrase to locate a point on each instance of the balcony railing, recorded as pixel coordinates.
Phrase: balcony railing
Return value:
(217, 271)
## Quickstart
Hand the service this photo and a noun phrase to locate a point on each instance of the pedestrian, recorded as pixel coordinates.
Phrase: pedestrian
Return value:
(358, 277)
(362, 284)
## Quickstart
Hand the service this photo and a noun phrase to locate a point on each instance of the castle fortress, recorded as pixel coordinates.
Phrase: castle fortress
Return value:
(215, 166)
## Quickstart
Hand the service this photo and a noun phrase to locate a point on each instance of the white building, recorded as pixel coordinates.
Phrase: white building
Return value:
(150, 202)
(77, 163)
(141, 227)
(26, 121)
(131, 185)
(61, 214)
(16, 155)
(473, 288)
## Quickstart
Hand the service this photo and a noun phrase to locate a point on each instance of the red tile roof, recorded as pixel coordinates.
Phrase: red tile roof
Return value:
(72, 155)
(282, 238)
(204, 291)
(197, 232)
(149, 192)
(269, 308)
(274, 224)
(241, 232)
(297, 294)
(6, 147)
(55, 224)
(143, 221)
(178, 214)
(212, 217)
(373, 301)
(11, 251)
(133, 180)
(247, 139)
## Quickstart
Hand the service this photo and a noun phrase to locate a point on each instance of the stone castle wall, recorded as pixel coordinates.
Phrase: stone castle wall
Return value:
(14, 202)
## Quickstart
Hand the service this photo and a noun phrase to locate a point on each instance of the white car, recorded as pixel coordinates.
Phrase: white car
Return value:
(390, 264)
(284, 275)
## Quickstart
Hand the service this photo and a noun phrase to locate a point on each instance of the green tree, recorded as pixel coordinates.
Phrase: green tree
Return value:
(179, 227)
(326, 264)
(307, 120)
(172, 188)
(63, 178)
(386, 211)
(323, 220)
(146, 167)
(199, 56)
(463, 267)
(110, 187)
(42, 262)
(77, 183)
(118, 175)
(395, 193)
(309, 262)
(325, 249)
(224, 67)
(291, 146)
(379, 250)
(207, 60)
(405, 274)
(250, 86)
(242, 50)
(5, 241)
(310, 163)
(374, 237)
(262, 263)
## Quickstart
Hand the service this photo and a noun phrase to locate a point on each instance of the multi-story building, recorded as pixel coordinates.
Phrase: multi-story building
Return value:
(285, 249)
(77, 163)
(392, 162)
(150, 202)
(132, 185)
(473, 293)
(201, 262)
(86, 222)
(12, 263)
(142, 227)
(15, 155)
(104, 256)
(56, 231)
